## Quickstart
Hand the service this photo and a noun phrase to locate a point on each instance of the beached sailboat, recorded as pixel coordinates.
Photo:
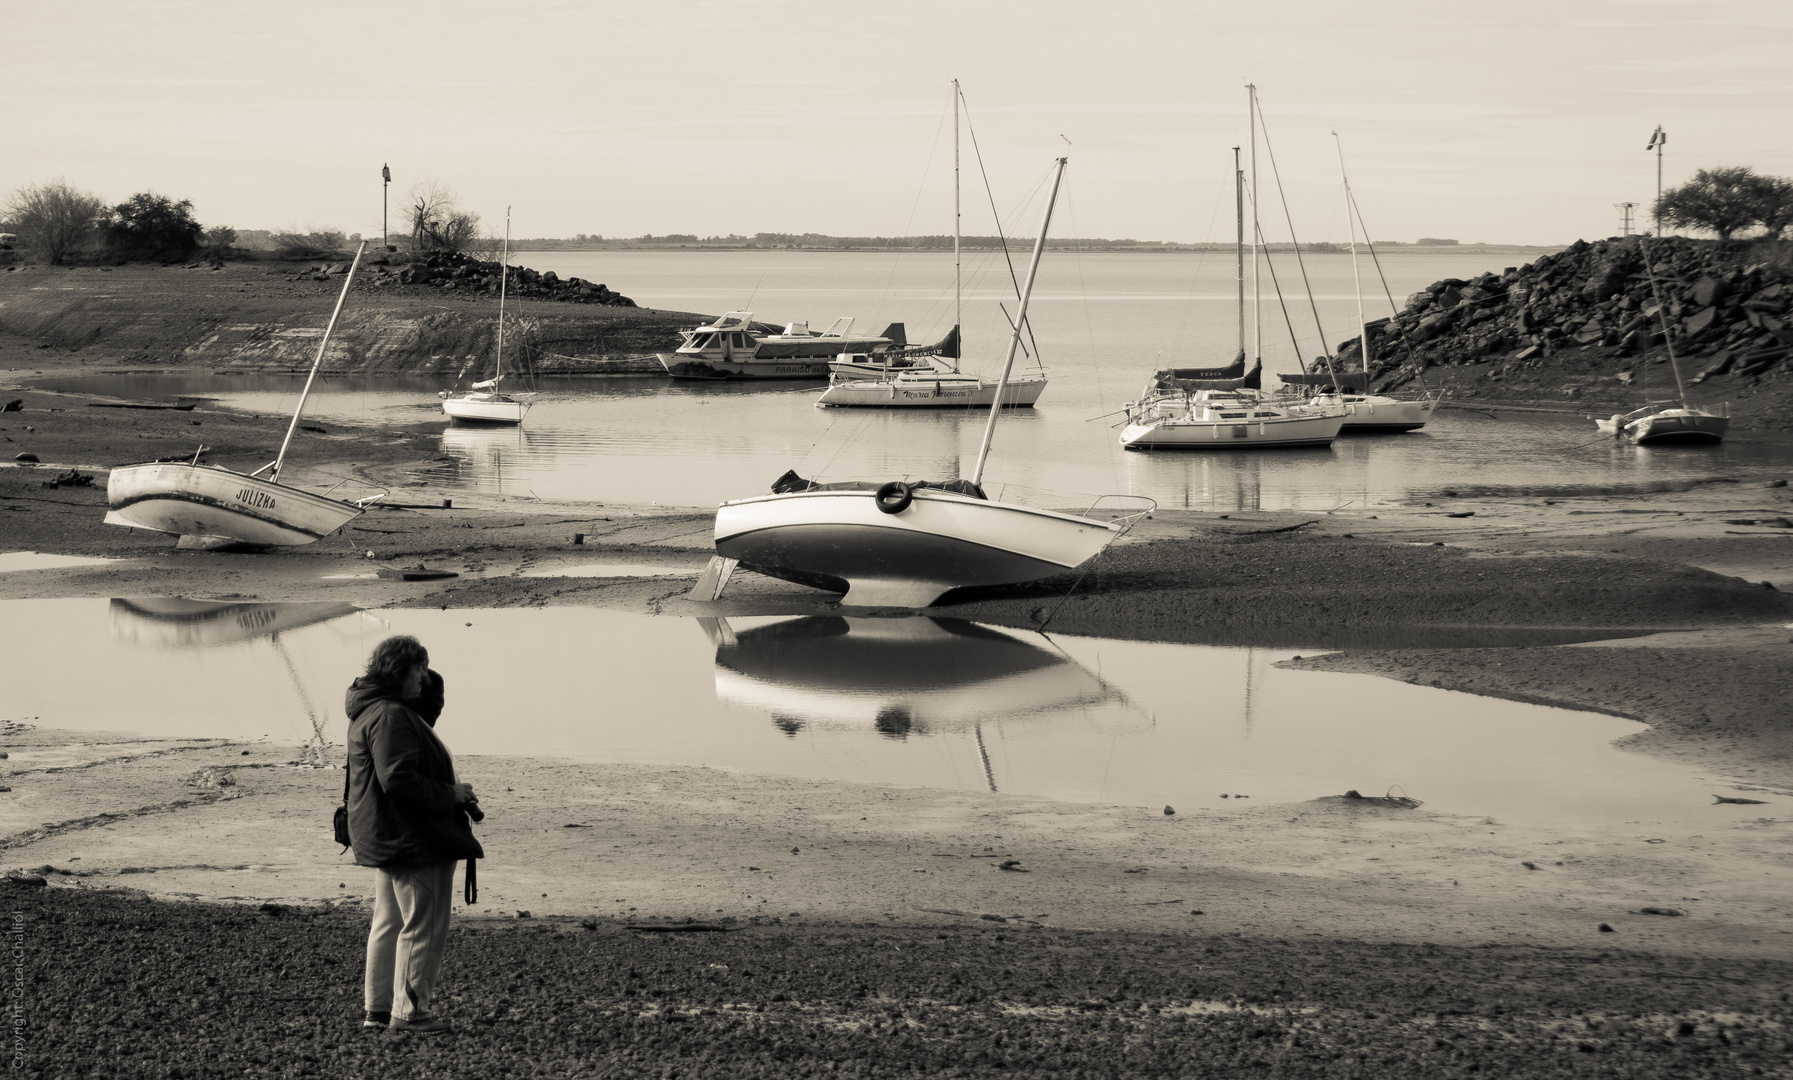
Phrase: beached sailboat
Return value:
(904, 544)
(1666, 422)
(211, 506)
(1224, 408)
(486, 402)
(898, 379)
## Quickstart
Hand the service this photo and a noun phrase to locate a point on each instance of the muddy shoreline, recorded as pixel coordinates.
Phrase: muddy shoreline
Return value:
(1648, 606)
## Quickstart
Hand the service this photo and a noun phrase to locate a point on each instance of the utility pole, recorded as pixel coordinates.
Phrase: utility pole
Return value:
(385, 229)
(1658, 139)
(1624, 209)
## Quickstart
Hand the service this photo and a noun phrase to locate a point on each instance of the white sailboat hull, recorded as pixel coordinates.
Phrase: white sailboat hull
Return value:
(929, 392)
(1179, 433)
(1668, 426)
(212, 502)
(485, 408)
(941, 541)
(1374, 412)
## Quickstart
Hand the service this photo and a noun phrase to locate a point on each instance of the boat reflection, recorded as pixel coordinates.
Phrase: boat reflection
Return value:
(483, 455)
(173, 622)
(898, 677)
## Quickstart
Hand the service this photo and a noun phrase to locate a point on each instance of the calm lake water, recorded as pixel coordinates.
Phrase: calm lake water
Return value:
(912, 702)
(1103, 324)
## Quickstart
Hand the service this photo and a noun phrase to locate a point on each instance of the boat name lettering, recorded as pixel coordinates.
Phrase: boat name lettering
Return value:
(256, 498)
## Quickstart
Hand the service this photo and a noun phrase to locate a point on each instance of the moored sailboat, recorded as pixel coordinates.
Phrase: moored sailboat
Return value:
(211, 506)
(903, 544)
(486, 403)
(1666, 422)
(902, 379)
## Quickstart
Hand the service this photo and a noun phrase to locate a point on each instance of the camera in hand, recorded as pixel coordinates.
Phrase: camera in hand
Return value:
(473, 810)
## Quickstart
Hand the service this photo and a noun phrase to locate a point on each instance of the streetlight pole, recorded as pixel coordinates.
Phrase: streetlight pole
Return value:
(1658, 139)
(385, 229)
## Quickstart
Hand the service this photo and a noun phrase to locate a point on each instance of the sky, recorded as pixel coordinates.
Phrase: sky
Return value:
(1518, 122)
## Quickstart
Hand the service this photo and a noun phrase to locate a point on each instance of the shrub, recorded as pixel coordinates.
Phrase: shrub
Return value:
(53, 219)
(218, 241)
(152, 227)
(1727, 201)
(309, 244)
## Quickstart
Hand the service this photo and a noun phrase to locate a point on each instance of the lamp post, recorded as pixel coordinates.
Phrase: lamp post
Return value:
(1658, 138)
(385, 229)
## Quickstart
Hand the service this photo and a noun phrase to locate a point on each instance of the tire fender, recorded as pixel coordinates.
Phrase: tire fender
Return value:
(894, 497)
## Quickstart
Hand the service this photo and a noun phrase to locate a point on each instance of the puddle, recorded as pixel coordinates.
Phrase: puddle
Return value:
(32, 560)
(915, 702)
(614, 570)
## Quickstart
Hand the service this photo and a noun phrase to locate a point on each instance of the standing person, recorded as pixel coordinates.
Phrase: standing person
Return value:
(409, 820)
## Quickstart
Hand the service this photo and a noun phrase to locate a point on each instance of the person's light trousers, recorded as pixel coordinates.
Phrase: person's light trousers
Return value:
(408, 936)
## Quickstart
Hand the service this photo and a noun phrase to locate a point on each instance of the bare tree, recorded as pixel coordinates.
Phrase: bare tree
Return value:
(53, 219)
(437, 221)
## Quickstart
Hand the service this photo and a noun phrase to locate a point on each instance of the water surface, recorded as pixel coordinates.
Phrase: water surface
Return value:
(905, 702)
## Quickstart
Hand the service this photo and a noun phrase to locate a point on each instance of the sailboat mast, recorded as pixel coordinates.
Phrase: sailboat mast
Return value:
(348, 279)
(1239, 241)
(958, 295)
(1363, 331)
(1033, 267)
(504, 268)
(1257, 329)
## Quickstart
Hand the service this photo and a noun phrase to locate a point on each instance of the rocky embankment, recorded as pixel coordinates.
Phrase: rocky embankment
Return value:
(437, 315)
(1595, 322)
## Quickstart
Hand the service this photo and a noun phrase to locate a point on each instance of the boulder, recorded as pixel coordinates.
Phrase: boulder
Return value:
(1701, 321)
(1708, 291)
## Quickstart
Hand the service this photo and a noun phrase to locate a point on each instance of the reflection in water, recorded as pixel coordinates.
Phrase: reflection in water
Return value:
(897, 677)
(909, 703)
(915, 676)
(484, 456)
(174, 622)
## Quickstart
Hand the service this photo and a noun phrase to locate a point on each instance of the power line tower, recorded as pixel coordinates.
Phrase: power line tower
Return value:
(1624, 209)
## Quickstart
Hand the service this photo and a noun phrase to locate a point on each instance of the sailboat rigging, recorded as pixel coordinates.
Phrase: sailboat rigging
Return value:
(924, 378)
(1665, 421)
(486, 402)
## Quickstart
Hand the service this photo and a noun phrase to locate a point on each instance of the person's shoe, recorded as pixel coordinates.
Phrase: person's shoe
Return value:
(372, 1019)
(421, 1025)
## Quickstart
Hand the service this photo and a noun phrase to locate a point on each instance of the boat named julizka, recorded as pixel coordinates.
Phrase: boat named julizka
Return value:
(211, 506)
(899, 543)
(735, 347)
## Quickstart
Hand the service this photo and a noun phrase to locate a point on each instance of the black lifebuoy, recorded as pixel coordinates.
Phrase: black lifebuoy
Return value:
(894, 497)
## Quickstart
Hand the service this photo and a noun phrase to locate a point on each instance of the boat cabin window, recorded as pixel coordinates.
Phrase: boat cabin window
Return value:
(1263, 414)
(739, 341)
(706, 341)
(1231, 415)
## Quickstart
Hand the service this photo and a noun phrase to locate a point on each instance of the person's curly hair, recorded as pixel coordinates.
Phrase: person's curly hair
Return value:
(393, 657)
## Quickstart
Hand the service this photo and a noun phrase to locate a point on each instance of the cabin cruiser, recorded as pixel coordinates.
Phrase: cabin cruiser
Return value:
(735, 347)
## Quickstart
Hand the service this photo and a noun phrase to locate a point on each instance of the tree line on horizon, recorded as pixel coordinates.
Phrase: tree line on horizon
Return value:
(60, 223)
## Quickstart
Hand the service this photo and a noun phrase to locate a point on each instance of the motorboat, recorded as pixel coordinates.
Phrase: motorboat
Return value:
(210, 506)
(486, 403)
(900, 543)
(736, 347)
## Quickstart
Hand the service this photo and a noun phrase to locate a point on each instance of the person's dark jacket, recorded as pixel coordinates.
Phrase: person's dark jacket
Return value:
(401, 779)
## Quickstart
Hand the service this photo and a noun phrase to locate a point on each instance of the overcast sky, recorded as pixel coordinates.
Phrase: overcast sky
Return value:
(1518, 121)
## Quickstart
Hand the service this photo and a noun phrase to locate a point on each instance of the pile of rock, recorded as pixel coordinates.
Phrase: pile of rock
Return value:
(1719, 309)
(457, 271)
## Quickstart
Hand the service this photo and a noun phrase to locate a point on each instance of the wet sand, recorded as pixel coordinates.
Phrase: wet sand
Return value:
(1651, 607)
